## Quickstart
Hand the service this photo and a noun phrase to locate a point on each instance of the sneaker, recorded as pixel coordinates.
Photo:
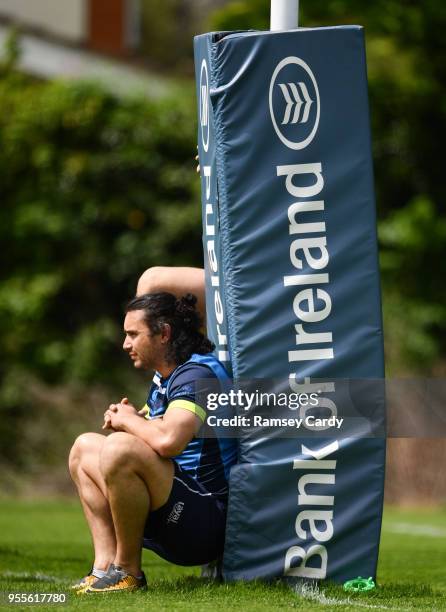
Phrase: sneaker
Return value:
(84, 583)
(117, 579)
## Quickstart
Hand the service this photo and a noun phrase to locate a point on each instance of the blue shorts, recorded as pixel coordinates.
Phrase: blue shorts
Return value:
(190, 528)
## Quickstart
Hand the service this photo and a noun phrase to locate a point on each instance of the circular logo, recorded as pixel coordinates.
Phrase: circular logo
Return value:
(204, 105)
(294, 102)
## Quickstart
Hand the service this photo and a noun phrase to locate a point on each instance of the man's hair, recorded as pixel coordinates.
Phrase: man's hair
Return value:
(183, 318)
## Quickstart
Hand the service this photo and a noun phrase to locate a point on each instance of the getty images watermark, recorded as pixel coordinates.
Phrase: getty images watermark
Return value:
(339, 408)
(249, 401)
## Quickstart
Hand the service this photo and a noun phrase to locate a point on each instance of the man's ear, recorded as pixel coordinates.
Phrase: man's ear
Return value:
(166, 333)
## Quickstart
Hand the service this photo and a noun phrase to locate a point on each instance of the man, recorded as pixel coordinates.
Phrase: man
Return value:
(152, 482)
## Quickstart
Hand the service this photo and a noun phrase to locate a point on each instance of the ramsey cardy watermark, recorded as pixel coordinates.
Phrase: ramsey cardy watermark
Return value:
(339, 408)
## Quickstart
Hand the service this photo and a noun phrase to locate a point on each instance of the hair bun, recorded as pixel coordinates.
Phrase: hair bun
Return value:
(190, 299)
(185, 307)
(186, 303)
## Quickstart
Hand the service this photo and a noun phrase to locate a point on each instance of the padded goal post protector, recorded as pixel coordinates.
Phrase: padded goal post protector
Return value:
(292, 285)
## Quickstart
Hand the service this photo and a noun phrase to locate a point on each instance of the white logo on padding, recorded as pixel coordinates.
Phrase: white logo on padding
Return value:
(176, 512)
(294, 102)
(204, 105)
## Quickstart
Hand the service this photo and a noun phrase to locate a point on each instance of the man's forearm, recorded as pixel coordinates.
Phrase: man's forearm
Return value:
(153, 432)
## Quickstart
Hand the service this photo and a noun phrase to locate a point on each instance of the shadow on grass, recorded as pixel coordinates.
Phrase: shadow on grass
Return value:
(394, 593)
(402, 589)
(191, 584)
(10, 551)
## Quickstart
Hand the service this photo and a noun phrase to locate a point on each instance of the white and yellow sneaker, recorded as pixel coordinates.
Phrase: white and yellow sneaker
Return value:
(84, 583)
(116, 580)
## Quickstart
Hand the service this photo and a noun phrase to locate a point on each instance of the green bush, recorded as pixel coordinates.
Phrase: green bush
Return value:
(93, 190)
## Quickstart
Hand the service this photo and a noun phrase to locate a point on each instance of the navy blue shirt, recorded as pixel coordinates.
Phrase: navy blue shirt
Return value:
(207, 459)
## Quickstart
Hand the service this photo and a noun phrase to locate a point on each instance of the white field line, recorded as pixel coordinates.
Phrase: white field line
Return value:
(312, 592)
(29, 575)
(415, 530)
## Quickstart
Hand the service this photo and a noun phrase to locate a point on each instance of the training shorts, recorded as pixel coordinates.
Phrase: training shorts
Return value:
(190, 528)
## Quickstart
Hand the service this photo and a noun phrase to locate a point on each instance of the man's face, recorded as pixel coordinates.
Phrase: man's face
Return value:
(145, 349)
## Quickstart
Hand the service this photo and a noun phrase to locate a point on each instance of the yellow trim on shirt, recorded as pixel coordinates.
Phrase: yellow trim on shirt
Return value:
(191, 406)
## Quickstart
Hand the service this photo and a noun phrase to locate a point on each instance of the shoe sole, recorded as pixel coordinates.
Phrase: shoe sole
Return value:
(111, 590)
(80, 588)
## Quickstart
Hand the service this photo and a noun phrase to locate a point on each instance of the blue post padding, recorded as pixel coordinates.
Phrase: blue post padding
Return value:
(292, 284)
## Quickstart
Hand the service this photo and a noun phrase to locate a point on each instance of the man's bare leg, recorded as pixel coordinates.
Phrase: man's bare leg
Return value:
(138, 480)
(176, 280)
(85, 471)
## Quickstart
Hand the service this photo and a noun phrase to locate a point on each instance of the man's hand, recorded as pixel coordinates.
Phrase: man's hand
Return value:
(117, 414)
(144, 411)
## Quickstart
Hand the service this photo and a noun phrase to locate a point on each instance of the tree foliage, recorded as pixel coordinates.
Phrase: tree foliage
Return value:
(93, 190)
(406, 50)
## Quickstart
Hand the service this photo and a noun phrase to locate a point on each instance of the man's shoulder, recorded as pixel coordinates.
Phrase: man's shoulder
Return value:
(190, 371)
(193, 376)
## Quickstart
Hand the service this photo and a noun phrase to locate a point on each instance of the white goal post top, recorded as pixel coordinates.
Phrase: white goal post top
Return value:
(284, 14)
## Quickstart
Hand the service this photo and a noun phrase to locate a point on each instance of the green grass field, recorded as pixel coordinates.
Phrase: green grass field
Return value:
(44, 546)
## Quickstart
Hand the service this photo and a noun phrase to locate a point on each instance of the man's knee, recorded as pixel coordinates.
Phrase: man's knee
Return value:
(123, 452)
(85, 444)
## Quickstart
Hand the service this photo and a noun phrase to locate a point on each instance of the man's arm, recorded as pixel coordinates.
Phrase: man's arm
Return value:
(176, 280)
(167, 436)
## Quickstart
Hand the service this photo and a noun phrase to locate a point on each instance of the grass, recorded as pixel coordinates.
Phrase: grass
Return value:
(44, 547)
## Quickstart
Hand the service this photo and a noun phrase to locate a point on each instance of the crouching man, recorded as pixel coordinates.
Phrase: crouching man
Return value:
(152, 482)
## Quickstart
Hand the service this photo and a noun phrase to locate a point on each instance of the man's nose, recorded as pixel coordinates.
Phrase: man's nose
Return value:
(127, 344)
